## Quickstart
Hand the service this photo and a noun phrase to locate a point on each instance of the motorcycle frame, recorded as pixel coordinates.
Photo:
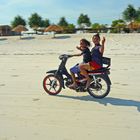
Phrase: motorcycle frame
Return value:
(62, 71)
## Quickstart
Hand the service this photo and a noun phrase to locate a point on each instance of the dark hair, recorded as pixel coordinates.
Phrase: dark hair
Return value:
(86, 42)
(97, 35)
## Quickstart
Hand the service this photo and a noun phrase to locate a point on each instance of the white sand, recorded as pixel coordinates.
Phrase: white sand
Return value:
(28, 113)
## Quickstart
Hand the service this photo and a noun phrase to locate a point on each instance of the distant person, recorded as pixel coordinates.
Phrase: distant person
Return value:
(85, 52)
(96, 58)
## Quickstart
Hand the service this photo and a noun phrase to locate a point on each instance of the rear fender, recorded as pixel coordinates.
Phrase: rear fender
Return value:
(107, 78)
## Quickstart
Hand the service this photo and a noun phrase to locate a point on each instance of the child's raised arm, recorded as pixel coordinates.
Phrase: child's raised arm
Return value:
(103, 44)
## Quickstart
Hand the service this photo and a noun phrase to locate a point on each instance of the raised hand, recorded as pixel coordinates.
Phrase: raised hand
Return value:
(79, 48)
(103, 41)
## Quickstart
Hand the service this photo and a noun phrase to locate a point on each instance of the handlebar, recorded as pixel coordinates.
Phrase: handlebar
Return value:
(65, 56)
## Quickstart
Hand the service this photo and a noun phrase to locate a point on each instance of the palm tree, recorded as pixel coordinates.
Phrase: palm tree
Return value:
(130, 14)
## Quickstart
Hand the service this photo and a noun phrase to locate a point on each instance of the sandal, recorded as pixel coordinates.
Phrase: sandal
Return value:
(72, 86)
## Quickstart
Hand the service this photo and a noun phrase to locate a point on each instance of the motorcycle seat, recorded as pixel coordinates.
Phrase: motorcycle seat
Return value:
(103, 69)
(106, 64)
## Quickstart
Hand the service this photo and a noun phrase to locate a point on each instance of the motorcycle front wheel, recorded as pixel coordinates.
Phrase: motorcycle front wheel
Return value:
(52, 84)
(100, 89)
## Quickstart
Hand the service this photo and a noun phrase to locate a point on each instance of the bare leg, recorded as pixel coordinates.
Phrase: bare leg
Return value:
(74, 81)
(83, 70)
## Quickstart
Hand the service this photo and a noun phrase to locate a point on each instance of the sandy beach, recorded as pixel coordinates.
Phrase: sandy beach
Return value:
(28, 113)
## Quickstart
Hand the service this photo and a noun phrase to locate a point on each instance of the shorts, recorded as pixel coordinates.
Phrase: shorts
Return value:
(75, 69)
(94, 65)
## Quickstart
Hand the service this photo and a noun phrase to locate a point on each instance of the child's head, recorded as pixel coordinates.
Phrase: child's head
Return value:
(96, 39)
(84, 43)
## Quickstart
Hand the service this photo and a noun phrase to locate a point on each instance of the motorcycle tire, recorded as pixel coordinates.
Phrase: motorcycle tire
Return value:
(52, 84)
(98, 91)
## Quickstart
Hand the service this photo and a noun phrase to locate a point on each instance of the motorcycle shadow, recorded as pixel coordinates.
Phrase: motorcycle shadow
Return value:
(107, 100)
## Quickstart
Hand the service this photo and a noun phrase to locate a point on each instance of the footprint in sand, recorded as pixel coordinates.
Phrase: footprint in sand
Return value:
(15, 75)
(36, 99)
(124, 84)
(117, 83)
(2, 85)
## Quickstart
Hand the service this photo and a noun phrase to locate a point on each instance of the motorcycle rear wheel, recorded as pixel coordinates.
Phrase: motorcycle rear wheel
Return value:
(52, 84)
(101, 89)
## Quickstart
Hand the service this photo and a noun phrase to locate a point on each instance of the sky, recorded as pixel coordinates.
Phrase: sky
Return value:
(99, 11)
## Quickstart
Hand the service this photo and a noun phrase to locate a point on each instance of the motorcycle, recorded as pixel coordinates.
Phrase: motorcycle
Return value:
(99, 87)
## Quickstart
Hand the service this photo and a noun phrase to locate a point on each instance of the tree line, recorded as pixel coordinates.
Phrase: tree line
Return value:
(129, 15)
(35, 21)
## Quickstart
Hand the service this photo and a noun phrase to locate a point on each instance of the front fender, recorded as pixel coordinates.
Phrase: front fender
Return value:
(51, 71)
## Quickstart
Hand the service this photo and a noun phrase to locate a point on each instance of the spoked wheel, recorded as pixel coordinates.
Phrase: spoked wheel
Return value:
(52, 84)
(99, 89)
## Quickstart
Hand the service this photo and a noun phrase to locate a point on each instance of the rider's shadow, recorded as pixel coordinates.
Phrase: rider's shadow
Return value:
(106, 100)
